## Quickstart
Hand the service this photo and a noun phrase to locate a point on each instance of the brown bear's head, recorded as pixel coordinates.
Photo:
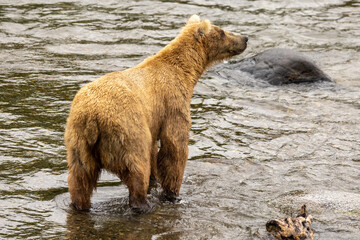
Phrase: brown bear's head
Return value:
(217, 43)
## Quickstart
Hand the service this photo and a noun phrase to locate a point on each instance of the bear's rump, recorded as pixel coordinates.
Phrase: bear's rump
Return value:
(117, 134)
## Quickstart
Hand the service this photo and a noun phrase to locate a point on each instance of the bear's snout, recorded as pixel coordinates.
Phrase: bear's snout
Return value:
(245, 39)
(238, 44)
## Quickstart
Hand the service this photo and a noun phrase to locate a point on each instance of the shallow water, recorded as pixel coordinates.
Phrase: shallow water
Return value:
(256, 151)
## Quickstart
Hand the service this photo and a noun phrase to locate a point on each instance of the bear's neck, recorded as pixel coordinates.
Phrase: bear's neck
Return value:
(186, 55)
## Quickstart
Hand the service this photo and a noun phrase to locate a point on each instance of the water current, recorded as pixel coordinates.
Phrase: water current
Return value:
(257, 151)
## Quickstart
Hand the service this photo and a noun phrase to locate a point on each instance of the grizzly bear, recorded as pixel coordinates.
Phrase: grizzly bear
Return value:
(116, 121)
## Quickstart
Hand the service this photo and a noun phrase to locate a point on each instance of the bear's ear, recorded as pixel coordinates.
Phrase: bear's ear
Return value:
(204, 27)
(193, 19)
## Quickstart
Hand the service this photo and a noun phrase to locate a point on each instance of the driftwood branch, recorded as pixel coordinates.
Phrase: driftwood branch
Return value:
(298, 228)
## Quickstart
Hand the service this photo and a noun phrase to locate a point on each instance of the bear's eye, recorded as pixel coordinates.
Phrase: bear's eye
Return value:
(222, 33)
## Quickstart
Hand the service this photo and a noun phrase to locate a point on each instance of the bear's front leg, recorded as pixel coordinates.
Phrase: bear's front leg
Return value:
(172, 157)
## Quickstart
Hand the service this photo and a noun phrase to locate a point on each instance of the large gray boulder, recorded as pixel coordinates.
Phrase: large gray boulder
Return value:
(282, 66)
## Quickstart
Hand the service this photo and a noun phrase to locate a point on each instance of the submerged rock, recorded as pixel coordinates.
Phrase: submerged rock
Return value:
(282, 66)
(292, 228)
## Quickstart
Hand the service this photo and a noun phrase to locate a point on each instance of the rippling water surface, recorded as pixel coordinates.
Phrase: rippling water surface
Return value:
(256, 151)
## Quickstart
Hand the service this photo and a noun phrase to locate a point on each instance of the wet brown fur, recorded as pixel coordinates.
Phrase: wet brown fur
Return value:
(116, 121)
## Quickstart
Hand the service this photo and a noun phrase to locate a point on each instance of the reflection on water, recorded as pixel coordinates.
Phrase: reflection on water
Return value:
(111, 218)
(256, 151)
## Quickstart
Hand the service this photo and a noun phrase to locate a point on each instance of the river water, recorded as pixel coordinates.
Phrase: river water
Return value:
(257, 151)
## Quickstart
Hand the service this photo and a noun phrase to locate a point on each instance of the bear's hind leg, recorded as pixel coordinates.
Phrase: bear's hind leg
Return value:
(82, 180)
(136, 177)
(137, 184)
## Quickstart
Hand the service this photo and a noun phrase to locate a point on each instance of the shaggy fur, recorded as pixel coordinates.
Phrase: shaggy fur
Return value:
(116, 121)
